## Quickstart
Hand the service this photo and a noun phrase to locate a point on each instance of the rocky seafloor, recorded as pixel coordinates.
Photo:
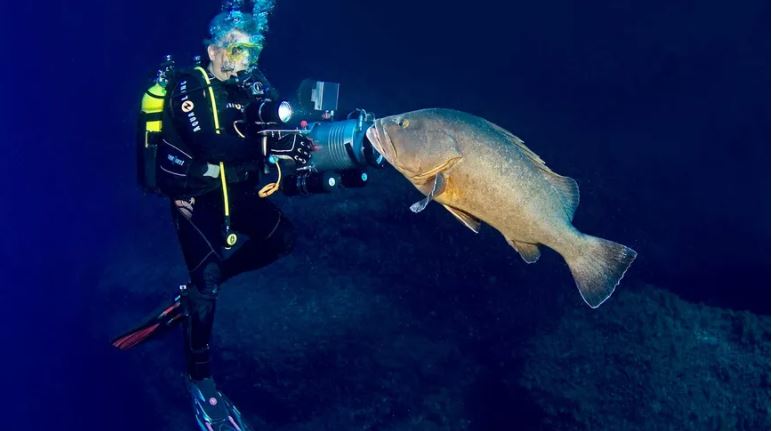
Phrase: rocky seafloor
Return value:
(386, 320)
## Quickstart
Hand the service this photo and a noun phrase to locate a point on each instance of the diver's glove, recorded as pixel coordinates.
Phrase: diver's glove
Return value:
(212, 170)
(214, 411)
(293, 146)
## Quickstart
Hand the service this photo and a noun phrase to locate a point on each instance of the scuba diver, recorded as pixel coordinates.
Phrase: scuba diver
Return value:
(209, 159)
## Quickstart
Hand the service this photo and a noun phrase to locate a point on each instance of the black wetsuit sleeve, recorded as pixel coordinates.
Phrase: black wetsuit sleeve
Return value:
(191, 109)
(271, 92)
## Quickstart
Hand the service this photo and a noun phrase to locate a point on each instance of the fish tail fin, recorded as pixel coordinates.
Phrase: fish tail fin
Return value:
(598, 267)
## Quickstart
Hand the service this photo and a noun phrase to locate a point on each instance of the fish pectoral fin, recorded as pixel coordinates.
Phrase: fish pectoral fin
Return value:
(427, 176)
(437, 189)
(420, 205)
(529, 252)
(467, 219)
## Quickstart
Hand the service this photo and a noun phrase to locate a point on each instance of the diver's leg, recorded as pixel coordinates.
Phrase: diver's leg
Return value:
(271, 235)
(200, 300)
(198, 222)
(199, 227)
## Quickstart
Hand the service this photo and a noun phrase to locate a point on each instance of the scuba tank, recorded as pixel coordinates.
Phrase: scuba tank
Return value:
(150, 126)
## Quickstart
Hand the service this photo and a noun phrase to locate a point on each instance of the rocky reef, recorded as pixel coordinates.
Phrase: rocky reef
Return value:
(386, 320)
(651, 361)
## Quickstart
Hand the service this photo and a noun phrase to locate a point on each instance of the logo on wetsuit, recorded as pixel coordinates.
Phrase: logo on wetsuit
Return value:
(187, 107)
(175, 160)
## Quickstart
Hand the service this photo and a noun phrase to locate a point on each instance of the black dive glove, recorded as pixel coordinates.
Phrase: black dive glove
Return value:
(293, 146)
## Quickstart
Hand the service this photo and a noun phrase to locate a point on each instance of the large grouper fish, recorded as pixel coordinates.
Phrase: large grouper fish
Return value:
(482, 173)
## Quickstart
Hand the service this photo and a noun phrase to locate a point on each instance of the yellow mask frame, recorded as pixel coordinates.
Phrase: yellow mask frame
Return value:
(242, 51)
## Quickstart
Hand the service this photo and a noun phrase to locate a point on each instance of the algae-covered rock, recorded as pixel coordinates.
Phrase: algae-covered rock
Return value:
(650, 361)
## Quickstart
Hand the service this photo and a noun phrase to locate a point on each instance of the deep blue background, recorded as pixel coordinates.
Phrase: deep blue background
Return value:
(659, 109)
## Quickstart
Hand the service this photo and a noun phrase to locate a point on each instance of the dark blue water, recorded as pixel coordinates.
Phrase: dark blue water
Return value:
(659, 110)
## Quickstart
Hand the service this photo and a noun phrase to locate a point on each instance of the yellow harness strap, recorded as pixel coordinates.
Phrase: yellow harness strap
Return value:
(230, 237)
(215, 114)
(266, 191)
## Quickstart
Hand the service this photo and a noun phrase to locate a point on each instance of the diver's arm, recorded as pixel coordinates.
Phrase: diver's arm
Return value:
(192, 112)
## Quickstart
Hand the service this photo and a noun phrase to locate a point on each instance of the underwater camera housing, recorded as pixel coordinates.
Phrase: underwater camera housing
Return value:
(342, 152)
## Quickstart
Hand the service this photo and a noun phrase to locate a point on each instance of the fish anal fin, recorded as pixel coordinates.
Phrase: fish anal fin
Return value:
(568, 190)
(529, 252)
(467, 219)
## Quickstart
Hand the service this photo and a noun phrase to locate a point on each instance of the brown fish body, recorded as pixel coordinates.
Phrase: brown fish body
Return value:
(481, 172)
(524, 207)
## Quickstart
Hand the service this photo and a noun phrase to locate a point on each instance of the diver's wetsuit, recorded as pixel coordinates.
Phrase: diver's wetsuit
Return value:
(190, 140)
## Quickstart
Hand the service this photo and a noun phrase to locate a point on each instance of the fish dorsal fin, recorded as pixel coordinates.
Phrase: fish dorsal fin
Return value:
(568, 191)
(565, 187)
(467, 219)
(520, 144)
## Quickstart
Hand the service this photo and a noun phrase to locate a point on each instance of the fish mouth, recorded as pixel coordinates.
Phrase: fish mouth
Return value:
(380, 140)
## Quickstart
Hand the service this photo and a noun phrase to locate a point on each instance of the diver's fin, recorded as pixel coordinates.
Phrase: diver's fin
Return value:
(467, 219)
(213, 410)
(529, 252)
(159, 322)
(598, 266)
(437, 189)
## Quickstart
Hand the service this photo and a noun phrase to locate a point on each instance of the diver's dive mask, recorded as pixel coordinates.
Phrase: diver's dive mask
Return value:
(242, 53)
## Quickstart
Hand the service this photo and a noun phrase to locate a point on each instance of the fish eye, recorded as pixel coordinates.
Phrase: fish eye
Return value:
(404, 123)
